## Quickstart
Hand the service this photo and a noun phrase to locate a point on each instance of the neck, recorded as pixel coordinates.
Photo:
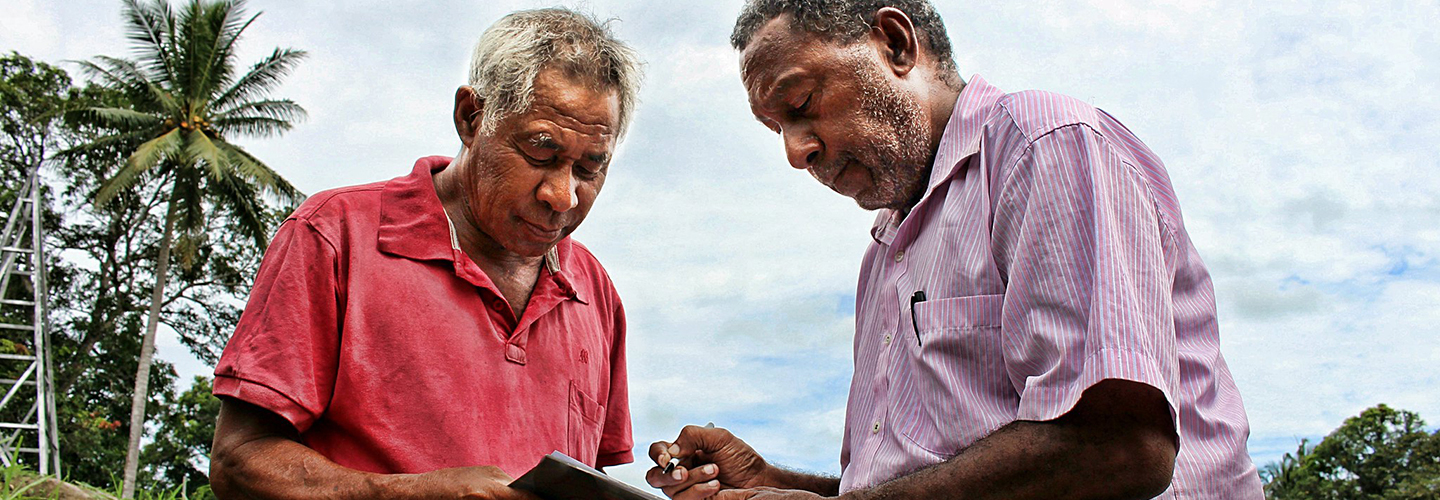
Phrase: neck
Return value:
(941, 103)
(487, 253)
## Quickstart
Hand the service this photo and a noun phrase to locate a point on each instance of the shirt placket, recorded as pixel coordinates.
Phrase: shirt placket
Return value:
(892, 307)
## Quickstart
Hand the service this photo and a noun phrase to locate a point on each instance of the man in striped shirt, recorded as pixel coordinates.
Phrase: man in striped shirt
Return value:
(1032, 319)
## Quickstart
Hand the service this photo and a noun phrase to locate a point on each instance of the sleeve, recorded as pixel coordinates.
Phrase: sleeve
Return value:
(284, 354)
(616, 442)
(1083, 249)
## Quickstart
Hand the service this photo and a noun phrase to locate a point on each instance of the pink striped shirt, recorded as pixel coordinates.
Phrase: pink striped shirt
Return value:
(1052, 255)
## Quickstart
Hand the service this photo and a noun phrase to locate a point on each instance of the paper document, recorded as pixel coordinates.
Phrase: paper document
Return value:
(559, 477)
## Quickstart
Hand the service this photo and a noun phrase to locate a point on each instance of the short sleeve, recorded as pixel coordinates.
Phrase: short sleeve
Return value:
(616, 442)
(1083, 249)
(284, 354)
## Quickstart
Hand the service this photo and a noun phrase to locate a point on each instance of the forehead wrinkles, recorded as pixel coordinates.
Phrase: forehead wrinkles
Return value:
(594, 127)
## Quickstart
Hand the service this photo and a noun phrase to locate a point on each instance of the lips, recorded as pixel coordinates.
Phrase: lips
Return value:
(842, 181)
(835, 173)
(542, 231)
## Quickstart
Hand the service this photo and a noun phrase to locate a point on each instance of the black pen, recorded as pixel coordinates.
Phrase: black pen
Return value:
(916, 299)
(674, 461)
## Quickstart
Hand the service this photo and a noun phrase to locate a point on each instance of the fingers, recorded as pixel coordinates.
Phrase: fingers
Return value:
(661, 452)
(708, 439)
(683, 483)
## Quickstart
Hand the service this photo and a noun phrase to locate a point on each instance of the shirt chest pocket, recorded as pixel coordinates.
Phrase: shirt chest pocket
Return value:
(586, 424)
(951, 383)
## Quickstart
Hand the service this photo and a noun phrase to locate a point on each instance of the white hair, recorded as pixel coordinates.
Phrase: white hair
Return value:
(518, 46)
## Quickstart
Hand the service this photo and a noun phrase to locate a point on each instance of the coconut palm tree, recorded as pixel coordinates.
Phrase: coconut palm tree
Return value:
(189, 102)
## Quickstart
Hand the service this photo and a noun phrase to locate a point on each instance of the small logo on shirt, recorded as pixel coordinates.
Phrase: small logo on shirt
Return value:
(584, 356)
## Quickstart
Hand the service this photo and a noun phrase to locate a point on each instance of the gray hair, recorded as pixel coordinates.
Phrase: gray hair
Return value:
(517, 47)
(847, 21)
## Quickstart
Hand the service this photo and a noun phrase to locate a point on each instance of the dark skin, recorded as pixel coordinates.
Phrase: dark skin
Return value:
(512, 193)
(258, 455)
(1117, 442)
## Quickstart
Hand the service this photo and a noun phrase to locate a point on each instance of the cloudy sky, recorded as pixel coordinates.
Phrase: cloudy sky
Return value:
(1302, 138)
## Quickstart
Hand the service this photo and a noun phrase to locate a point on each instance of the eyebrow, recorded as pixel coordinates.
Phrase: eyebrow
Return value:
(545, 141)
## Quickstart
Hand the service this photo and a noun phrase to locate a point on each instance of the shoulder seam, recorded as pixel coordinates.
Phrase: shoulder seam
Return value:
(331, 194)
(1166, 224)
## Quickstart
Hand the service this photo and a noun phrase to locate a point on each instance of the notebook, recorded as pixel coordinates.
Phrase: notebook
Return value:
(559, 477)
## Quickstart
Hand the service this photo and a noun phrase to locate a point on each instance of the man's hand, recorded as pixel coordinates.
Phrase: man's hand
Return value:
(767, 493)
(486, 482)
(711, 460)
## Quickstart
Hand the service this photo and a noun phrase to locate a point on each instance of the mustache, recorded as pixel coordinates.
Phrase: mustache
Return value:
(828, 171)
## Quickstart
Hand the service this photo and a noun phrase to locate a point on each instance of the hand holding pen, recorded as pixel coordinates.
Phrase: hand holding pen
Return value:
(674, 460)
(707, 460)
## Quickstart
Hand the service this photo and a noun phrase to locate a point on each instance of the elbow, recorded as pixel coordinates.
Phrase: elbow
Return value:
(1147, 466)
(220, 481)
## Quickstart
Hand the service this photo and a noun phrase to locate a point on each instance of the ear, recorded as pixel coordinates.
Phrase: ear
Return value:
(468, 107)
(894, 34)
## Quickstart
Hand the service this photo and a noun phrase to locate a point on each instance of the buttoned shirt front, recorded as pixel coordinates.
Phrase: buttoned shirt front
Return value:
(1047, 254)
(390, 351)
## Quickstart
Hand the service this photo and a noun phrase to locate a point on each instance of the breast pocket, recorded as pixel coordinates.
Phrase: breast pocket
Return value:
(952, 388)
(586, 424)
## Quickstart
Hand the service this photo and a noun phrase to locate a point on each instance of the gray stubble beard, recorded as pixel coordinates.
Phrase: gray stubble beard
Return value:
(899, 154)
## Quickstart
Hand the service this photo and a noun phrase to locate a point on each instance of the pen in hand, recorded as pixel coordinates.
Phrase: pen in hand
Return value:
(674, 461)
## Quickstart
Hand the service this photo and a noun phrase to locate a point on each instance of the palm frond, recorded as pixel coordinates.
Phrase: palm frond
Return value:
(260, 118)
(264, 178)
(229, 36)
(253, 126)
(263, 77)
(142, 160)
(126, 76)
(244, 204)
(224, 23)
(150, 27)
(108, 141)
(200, 147)
(121, 119)
(280, 109)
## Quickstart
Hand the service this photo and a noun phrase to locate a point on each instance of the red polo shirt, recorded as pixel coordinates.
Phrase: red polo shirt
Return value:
(392, 352)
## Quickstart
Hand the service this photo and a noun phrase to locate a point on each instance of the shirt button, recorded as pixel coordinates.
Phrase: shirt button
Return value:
(887, 339)
(899, 256)
(875, 429)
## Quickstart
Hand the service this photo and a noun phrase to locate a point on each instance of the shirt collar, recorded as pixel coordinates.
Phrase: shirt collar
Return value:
(412, 222)
(960, 140)
(414, 225)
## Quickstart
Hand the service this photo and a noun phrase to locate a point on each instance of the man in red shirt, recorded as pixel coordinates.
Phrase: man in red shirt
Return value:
(434, 335)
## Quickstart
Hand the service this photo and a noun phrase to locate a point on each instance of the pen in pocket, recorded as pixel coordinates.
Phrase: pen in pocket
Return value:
(916, 299)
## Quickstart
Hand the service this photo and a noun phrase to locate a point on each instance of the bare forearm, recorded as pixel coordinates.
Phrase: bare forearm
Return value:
(280, 469)
(258, 455)
(1118, 442)
(1025, 460)
(778, 477)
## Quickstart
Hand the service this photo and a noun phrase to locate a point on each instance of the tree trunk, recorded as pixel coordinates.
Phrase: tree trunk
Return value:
(147, 351)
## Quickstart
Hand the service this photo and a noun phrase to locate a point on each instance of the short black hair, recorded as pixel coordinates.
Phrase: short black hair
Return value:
(846, 21)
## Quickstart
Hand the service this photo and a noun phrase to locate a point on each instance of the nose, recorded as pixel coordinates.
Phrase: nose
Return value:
(801, 146)
(558, 190)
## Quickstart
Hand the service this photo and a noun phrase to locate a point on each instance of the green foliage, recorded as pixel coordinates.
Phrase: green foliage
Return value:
(185, 103)
(1381, 454)
(186, 429)
(11, 479)
(98, 308)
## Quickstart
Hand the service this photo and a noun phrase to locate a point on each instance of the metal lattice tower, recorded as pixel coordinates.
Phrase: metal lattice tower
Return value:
(27, 410)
